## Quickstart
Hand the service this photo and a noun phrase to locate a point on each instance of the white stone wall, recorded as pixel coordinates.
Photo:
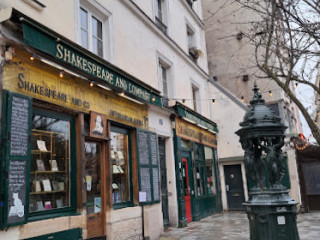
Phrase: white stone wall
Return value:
(159, 121)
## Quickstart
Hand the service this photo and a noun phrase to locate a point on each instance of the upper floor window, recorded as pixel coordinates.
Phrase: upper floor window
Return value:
(160, 15)
(165, 78)
(196, 98)
(91, 32)
(194, 52)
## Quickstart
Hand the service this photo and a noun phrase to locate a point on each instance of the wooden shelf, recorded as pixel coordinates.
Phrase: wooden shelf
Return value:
(38, 152)
(47, 192)
(36, 172)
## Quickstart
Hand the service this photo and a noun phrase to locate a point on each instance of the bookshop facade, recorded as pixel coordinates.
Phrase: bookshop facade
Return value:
(198, 186)
(77, 156)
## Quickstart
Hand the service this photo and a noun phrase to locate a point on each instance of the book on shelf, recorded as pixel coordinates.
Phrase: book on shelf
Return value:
(59, 203)
(47, 205)
(120, 158)
(37, 186)
(61, 186)
(32, 207)
(46, 185)
(113, 155)
(54, 165)
(97, 204)
(42, 146)
(40, 206)
(115, 170)
(40, 165)
(55, 186)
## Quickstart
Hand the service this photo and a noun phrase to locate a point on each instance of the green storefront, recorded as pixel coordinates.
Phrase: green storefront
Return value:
(197, 178)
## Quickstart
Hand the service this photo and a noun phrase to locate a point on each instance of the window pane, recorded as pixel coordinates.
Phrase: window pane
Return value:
(93, 176)
(50, 164)
(96, 28)
(83, 19)
(84, 39)
(96, 37)
(97, 47)
(120, 167)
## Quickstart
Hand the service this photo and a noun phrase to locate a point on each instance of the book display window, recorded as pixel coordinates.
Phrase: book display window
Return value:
(211, 186)
(119, 154)
(50, 164)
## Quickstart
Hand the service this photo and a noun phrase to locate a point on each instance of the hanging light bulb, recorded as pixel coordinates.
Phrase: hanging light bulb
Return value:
(270, 93)
(32, 58)
(242, 98)
(153, 99)
(183, 100)
(61, 74)
(213, 101)
(91, 84)
(297, 85)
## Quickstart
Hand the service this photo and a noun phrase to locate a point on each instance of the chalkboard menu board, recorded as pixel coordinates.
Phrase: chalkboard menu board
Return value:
(145, 182)
(156, 193)
(143, 147)
(153, 149)
(18, 111)
(19, 126)
(148, 165)
(16, 191)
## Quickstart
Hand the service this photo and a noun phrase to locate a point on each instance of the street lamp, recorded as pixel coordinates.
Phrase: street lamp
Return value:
(271, 212)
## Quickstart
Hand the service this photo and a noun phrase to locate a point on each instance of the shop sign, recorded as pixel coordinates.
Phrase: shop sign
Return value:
(64, 52)
(43, 84)
(182, 112)
(191, 132)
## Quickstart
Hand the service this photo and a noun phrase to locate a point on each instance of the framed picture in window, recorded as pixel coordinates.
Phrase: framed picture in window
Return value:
(98, 125)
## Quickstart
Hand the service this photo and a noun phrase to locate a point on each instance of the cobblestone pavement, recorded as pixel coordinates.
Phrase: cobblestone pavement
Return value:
(235, 226)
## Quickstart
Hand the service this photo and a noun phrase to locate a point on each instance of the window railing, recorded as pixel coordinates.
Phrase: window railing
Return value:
(161, 25)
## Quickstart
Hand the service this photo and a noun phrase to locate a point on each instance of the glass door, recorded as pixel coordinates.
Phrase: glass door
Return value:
(95, 226)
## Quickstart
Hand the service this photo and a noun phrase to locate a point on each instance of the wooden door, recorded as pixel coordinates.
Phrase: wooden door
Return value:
(234, 187)
(93, 176)
(186, 186)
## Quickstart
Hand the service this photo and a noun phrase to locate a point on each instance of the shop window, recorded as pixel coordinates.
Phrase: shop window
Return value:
(120, 157)
(200, 170)
(210, 183)
(50, 175)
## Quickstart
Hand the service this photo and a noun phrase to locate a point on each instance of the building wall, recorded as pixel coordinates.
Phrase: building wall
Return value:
(227, 112)
(160, 121)
(229, 58)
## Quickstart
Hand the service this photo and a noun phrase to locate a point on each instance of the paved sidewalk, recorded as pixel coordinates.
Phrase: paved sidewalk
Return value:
(235, 226)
